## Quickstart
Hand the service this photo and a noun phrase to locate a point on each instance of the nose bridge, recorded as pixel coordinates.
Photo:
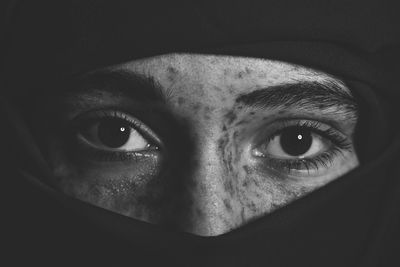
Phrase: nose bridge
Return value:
(206, 213)
(207, 207)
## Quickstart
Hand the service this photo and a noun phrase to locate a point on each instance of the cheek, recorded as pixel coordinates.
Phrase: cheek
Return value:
(136, 189)
(261, 193)
(253, 191)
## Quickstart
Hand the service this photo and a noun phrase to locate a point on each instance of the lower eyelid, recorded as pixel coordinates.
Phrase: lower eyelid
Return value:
(312, 166)
(88, 153)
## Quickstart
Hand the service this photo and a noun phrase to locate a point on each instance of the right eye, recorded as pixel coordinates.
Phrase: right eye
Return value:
(296, 143)
(115, 132)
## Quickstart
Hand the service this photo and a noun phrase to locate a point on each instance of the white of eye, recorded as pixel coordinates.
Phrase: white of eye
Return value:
(135, 141)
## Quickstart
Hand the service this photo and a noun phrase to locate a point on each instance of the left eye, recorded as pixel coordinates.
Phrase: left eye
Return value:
(303, 146)
(295, 143)
(113, 134)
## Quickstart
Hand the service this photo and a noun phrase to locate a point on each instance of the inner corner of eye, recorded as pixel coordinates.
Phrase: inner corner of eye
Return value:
(257, 153)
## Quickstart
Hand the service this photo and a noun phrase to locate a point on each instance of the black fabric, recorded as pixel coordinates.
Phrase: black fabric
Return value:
(354, 221)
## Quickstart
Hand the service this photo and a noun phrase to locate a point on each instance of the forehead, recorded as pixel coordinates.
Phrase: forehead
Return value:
(186, 72)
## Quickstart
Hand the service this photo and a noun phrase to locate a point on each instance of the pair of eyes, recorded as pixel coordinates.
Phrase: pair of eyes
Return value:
(118, 135)
(293, 145)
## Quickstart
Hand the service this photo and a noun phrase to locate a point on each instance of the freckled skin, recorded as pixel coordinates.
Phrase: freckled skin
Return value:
(221, 185)
(172, 73)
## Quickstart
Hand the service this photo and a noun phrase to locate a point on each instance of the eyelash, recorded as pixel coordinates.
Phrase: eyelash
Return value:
(340, 144)
(113, 156)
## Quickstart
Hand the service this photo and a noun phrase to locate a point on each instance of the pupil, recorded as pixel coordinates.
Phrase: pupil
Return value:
(295, 141)
(113, 133)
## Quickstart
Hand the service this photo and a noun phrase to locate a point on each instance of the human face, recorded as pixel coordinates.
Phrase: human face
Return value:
(204, 144)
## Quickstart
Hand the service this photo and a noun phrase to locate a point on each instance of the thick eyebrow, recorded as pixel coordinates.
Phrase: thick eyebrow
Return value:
(118, 83)
(304, 95)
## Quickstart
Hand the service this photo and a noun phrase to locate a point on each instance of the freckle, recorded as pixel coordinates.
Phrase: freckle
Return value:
(224, 128)
(172, 70)
(209, 109)
(222, 142)
(206, 117)
(226, 71)
(320, 106)
(252, 206)
(228, 205)
(235, 134)
(240, 75)
(216, 88)
(196, 107)
(231, 89)
(207, 112)
(247, 169)
(172, 73)
(252, 113)
(248, 71)
(230, 117)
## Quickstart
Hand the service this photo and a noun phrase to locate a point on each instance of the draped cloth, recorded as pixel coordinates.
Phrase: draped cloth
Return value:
(353, 221)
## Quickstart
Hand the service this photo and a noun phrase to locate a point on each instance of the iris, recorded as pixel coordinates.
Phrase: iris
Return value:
(113, 133)
(295, 141)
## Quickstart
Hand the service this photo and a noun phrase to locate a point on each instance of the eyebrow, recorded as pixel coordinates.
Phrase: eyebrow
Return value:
(325, 95)
(304, 95)
(118, 83)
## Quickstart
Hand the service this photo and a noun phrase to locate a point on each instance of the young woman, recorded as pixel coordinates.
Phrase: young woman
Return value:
(201, 135)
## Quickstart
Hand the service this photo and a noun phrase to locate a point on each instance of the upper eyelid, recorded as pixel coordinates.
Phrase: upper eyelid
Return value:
(307, 123)
(327, 120)
(141, 127)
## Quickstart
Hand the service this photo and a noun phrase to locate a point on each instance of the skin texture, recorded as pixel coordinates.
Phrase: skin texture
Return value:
(204, 177)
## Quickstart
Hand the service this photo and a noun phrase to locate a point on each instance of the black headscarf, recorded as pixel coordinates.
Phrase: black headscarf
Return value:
(353, 221)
